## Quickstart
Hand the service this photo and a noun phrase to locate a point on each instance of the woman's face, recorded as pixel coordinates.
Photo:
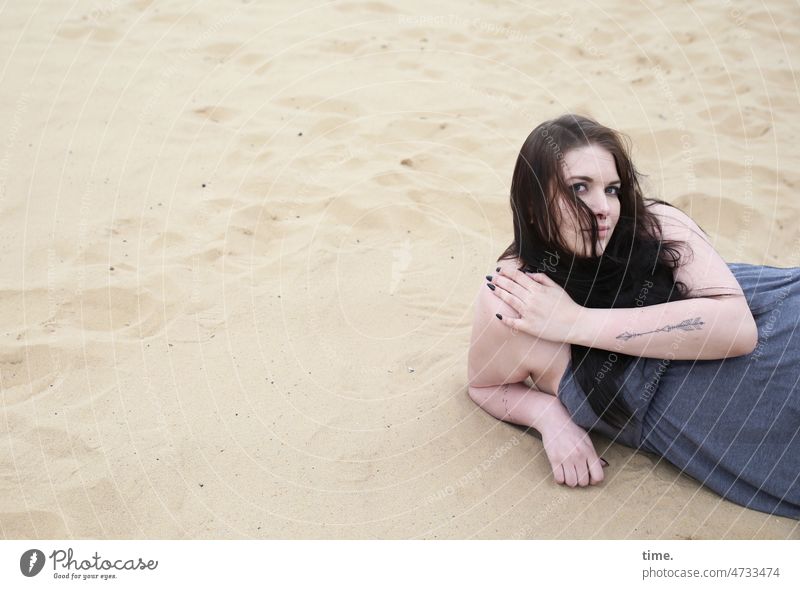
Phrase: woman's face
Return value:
(592, 174)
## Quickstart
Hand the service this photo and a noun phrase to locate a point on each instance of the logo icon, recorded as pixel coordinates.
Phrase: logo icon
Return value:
(31, 562)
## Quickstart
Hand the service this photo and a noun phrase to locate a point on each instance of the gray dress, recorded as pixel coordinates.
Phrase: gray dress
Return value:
(732, 424)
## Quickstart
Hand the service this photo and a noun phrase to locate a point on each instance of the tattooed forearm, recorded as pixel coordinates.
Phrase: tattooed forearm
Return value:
(685, 325)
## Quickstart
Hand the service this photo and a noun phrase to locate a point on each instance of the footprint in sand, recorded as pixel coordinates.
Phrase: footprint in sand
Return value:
(320, 104)
(250, 59)
(32, 524)
(217, 114)
(222, 51)
(27, 370)
(363, 7)
(133, 311)
(95, 33)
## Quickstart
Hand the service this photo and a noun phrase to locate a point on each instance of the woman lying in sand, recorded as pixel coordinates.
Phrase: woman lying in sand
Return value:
(629, 323)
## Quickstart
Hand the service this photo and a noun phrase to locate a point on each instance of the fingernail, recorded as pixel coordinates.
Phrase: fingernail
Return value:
(498, 315)
(489, 278)
(492, 286)
(497, 269)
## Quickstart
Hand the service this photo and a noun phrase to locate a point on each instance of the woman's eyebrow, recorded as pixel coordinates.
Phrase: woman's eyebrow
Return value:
(588, 179)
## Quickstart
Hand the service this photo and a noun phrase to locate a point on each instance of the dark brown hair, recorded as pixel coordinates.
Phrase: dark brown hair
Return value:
(635, 268)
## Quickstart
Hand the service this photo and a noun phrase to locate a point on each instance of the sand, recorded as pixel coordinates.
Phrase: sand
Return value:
(241, 244)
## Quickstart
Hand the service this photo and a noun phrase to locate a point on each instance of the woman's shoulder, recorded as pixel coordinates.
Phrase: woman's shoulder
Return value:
(669, 212)
(487, 304)
(664, 210)
(496, 356)
(676, 225)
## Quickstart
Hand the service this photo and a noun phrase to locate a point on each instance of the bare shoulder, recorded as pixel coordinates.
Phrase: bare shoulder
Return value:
(487, 304)
(496, 356)
(676, 224)
(703, 270)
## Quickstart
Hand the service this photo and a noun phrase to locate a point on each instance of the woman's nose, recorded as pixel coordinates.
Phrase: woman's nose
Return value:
(600, 204)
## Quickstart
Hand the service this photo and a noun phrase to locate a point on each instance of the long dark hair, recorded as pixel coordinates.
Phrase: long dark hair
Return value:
(635, 269)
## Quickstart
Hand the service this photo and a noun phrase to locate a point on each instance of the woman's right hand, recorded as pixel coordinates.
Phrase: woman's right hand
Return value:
(571, 454)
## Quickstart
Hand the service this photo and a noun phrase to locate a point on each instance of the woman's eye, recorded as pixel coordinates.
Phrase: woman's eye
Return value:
(583, 188)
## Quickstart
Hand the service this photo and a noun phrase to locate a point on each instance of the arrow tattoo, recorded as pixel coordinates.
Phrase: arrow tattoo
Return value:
(685, 325)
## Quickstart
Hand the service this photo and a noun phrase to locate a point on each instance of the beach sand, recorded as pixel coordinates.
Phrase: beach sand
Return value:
(241, 244)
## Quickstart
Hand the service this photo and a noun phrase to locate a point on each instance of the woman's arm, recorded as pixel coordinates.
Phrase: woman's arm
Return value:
(569, 448)
(521, 404)
(702, 329)
(498, 362)
(717, 324)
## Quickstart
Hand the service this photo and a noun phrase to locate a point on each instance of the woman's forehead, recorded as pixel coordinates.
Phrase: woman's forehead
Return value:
(591, 161)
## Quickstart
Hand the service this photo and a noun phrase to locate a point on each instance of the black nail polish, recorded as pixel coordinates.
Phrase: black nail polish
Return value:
(497, 269)
(498, 315)
(489, 278)
(492, 286)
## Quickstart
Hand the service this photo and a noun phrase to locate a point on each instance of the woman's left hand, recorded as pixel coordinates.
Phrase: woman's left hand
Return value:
(545, 309)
